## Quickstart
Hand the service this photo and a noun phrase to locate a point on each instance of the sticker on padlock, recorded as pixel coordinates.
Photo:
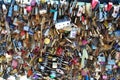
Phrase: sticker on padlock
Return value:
(43, 11)
(26, 28)
(73, 33)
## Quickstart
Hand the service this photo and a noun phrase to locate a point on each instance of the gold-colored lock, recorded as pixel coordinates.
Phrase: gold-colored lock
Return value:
(27, 35)
(47, 41)
(119, 63)
(36, 36)
(40, 59)
(13, 71)
(79, 77)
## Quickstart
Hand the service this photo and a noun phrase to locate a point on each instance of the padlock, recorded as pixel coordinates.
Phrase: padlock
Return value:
(4, 7)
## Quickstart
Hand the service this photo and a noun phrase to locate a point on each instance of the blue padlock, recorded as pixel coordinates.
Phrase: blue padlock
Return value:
(16, 7)
(117, 33)
(30, 32)
(55, 16)
(10, 12)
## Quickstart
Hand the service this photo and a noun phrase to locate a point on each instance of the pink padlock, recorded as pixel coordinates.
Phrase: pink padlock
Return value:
(84, 42)
(33, 3)
(115, 66)
(104, 77)
(29, 8)
(14, 63)
(94, 3)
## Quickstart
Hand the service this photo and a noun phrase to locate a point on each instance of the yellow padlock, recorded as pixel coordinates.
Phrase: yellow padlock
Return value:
(119, 63)
(40, 59)
(47, 41)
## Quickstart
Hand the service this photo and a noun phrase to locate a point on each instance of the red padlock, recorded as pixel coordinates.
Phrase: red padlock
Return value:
(22, 33)
(109, 6)
(59, 51)
(94, 3)
(74, 61)
(29, 73)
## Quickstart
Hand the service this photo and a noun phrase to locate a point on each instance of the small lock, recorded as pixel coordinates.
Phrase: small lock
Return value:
(40, 59)
(47, 41)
